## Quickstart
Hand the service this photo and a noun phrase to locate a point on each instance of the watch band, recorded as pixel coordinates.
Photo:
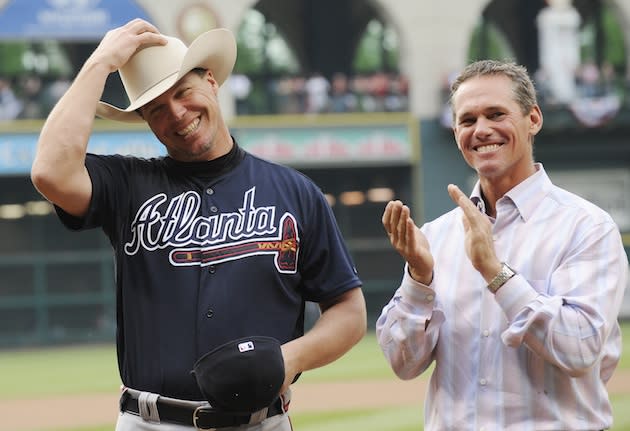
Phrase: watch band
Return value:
(501, 278)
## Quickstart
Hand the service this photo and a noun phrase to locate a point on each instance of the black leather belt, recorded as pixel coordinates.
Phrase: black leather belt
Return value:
(198, 414)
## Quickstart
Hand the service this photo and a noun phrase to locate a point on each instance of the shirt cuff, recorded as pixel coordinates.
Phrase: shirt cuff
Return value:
(514, 295)
(415, 292)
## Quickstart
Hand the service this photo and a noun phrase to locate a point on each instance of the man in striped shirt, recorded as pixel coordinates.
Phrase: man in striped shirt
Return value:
(514, 294)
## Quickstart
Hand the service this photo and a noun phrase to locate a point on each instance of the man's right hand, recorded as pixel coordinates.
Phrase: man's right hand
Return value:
(409, 241)
(119, 44)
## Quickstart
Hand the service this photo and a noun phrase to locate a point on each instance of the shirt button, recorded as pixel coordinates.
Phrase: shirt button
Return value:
(486, 333)
(212, 269)
(209, 191)
(214, 209)
(430, 297)
(483, 382)
(210, 313)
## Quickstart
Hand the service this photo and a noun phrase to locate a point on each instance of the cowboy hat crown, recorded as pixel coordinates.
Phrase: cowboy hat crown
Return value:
(153, 69)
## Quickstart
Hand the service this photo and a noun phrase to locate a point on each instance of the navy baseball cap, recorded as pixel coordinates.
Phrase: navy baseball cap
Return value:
(243, 375)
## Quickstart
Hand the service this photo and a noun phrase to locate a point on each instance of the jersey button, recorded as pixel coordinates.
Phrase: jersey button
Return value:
(214, 209)
(209, 191)
(210, 313)
(212, 269)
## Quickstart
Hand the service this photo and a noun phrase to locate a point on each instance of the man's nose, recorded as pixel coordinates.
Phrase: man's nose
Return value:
(483, 127)
(177, 109)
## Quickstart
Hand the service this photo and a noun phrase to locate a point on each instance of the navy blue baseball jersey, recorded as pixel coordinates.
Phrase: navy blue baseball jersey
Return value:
(207, 252)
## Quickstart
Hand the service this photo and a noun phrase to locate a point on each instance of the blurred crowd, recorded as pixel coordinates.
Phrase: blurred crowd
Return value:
(589, 81)
(377, 92)
(29, 97)
(598, 97)
(32, 97)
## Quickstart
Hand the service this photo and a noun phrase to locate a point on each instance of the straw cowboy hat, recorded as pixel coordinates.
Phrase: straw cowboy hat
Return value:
(154, 69)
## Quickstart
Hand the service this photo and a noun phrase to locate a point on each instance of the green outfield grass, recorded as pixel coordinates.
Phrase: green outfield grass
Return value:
(89, 370)
(58, 371)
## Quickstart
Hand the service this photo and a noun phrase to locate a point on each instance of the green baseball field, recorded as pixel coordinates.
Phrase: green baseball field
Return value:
(76, 389)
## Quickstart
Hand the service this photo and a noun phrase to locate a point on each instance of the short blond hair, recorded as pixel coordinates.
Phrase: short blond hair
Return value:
(524, 89)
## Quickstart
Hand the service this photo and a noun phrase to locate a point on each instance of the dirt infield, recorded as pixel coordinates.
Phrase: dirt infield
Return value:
(73, 412)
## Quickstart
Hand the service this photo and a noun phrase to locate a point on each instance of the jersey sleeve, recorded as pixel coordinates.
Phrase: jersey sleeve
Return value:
(109, 175)
(327, 268)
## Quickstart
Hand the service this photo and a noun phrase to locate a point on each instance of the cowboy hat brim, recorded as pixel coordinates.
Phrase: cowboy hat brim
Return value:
(214, 50)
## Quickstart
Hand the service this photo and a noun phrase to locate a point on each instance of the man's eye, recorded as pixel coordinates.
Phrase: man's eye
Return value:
(155, 111)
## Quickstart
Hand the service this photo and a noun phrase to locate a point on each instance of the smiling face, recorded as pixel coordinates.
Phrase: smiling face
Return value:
(492, 132)
(187, 119)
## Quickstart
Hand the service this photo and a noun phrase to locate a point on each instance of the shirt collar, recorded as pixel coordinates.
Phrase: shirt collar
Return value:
(526, 196)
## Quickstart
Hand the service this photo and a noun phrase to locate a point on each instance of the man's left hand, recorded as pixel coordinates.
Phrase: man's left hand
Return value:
(479, 242)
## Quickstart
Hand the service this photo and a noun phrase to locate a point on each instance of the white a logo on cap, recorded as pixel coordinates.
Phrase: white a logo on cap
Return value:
(246, 346)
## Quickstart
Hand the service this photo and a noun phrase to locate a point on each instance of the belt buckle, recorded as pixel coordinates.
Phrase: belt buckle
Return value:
(195, 417)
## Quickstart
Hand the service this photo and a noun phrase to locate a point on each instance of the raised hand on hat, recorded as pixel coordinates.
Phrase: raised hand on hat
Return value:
(58, 170)
(121, 43)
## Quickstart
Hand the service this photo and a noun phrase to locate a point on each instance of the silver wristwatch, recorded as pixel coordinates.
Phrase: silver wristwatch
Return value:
(504, 275)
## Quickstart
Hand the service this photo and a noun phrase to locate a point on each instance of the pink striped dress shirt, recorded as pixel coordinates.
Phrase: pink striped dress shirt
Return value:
(535, 356)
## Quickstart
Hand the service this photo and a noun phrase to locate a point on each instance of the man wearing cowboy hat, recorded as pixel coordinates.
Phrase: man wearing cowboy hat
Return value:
(216, 250)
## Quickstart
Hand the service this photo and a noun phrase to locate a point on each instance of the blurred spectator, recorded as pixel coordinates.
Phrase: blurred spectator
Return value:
(379, 88)
(241, 87)
(290, 95)
(298, 96)
(317, 89)
(341, 98)
(10, 105)
(361, 87)
(397, 97)
(31, 86)
(53, 92)
(598, 102)
(588, 80)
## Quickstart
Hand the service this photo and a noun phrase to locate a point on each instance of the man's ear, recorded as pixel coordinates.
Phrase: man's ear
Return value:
(535, 120)
(210, 78)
